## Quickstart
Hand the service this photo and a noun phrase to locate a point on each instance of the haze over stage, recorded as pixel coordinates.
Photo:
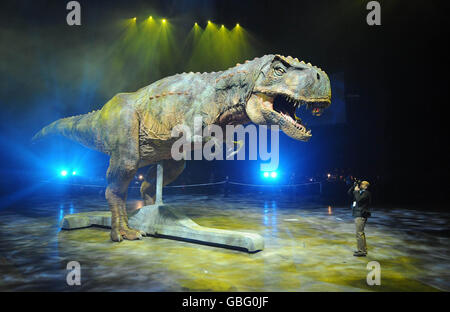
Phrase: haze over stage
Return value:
(79, 69)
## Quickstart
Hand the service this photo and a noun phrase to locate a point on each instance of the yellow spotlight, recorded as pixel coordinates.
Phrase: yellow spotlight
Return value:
(150, 17)
(163, 20)
(134, 18)
(223, 26)
(195, 24)
(209, 22)
(237, 24)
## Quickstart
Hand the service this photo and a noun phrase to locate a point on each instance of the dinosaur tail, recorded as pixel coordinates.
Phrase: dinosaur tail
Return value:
(78, 128)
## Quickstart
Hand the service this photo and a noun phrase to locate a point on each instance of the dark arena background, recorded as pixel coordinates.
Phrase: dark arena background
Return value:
(386, 124)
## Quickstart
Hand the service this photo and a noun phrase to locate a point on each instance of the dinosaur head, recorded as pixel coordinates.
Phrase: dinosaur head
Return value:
(283, 85)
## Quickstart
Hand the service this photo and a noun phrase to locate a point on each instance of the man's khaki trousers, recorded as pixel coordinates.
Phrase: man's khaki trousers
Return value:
(360, 223)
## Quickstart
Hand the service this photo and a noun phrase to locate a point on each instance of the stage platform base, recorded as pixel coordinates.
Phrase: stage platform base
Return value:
(166, 222)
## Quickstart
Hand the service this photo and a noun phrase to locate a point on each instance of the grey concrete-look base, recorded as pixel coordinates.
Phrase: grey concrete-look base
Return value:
(164, 221)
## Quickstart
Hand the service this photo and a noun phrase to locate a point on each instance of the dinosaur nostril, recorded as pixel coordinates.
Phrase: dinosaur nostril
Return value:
(318, 76)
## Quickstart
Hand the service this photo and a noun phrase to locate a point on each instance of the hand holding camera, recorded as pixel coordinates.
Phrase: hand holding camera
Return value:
(356, 183)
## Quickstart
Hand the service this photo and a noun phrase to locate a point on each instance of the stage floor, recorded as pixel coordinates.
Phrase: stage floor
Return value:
(308, 247)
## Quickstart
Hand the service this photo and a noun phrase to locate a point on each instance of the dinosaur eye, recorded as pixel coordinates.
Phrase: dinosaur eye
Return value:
(279, 71)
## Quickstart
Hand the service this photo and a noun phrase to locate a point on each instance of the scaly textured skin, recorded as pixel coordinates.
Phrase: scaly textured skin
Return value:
(134, 129)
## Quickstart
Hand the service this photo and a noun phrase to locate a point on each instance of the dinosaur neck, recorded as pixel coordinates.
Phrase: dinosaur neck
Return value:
(233, 89)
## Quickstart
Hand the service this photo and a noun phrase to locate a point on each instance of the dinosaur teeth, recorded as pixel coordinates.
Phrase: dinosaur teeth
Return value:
(297, 123)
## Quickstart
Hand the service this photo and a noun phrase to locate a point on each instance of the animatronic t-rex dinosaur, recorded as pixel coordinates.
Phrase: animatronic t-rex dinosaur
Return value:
(134, 129)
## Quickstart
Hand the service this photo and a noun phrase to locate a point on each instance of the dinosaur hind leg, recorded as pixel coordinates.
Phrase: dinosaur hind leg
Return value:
(119, 176)
(171, 170)
(122, 168)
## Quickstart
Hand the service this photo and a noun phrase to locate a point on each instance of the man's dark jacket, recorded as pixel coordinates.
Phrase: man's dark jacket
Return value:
(363, 201)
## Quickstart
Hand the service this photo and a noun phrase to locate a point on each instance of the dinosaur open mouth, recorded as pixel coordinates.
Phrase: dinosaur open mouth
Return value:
(287, 106)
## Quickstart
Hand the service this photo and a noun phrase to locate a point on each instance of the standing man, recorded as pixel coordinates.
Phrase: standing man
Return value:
(360, 211)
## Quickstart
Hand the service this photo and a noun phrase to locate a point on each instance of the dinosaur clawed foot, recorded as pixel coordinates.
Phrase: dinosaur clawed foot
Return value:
(132, 234)
(117, 235)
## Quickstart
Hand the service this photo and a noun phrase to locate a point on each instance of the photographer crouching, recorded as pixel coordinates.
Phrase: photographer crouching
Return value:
(360, 211)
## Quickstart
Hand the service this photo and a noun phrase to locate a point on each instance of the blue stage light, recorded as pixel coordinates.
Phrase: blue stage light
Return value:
(74, 172)
(63, 173)
(270, 174)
